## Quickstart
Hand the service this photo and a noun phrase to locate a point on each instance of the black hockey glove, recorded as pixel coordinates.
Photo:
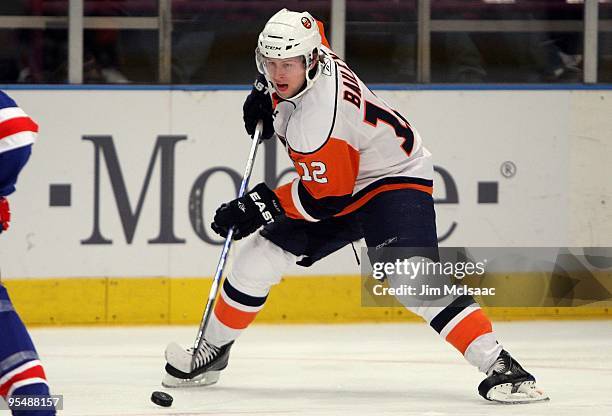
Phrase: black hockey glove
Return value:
(258, 207)
(258, 106)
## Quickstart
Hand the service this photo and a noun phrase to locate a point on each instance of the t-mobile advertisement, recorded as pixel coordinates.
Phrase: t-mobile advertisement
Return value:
(126, 183)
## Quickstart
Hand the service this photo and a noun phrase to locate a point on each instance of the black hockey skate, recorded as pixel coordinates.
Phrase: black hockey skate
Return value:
(208, 363)
(508, 382)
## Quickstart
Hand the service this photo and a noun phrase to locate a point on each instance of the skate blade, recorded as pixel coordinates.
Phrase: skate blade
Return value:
(527, 392)
(201, 380)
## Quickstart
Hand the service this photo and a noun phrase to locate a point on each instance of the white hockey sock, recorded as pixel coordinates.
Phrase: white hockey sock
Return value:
(234, 311)
(483, 351)
(257, 267)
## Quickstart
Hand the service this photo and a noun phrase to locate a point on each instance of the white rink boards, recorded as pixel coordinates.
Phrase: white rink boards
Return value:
(374, 369)
(558, 194)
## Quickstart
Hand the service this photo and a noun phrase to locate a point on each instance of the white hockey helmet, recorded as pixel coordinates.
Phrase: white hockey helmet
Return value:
(289, 34)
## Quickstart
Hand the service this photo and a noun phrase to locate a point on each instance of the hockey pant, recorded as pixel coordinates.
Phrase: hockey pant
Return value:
(402, 218)
(21, 372)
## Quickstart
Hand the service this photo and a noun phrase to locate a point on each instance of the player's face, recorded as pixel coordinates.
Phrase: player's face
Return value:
(287, 75)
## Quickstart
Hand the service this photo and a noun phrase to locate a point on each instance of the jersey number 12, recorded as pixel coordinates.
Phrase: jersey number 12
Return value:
(318, 170)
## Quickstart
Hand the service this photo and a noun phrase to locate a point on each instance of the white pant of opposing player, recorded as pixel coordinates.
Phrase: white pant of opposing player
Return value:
(260, 264)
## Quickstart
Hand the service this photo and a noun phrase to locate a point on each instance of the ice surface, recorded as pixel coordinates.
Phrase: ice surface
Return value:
(348, 370)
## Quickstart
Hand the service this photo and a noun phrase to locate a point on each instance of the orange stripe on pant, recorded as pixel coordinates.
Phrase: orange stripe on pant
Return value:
(468, 329)
(232, 317)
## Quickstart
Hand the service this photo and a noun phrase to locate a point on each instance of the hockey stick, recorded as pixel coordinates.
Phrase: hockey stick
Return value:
(214, 290)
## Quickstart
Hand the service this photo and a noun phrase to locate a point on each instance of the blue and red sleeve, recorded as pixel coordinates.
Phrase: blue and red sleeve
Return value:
(11, 163)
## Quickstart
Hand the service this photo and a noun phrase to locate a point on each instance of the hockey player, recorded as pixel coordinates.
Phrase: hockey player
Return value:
(21, 372)
(363, 173)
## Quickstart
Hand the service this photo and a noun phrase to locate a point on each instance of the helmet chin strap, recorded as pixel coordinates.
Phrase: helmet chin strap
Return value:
(302, 88)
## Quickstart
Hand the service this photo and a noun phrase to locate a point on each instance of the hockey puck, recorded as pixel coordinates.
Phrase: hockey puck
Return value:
(161, 399)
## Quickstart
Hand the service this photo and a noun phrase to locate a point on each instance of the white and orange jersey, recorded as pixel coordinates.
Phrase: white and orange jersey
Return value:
(347, 146)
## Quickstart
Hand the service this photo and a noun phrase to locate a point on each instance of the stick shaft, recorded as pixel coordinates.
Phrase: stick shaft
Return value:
(214, 290)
